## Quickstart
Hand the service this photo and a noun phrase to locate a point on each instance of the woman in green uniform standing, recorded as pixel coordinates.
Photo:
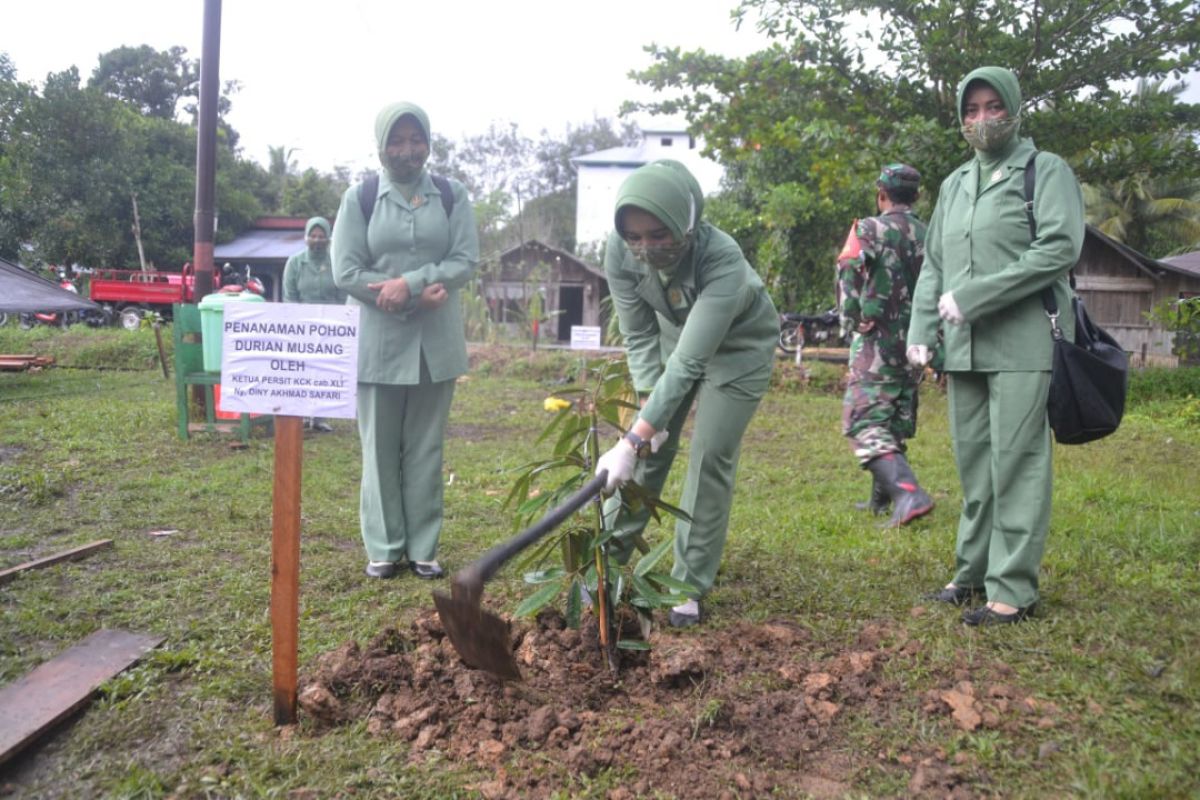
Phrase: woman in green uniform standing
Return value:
(308, 278)
(402, 252)
(698, 327)
(984, 275)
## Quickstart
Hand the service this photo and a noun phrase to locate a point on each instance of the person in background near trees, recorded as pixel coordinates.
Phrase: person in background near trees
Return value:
(698, 326)
(308, 278)
(877, 272)
(404, 264)
(983, 277)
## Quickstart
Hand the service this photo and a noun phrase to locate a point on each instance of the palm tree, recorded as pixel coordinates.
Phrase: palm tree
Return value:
(1144, 210)
(1147, 212)
(281, 168)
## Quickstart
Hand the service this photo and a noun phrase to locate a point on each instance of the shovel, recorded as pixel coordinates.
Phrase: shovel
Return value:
(481, 637)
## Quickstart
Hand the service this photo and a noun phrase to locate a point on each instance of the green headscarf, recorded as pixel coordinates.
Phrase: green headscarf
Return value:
(693, 184)
(663, 189)
(388, 117)
(990, 137)
(1001, 79)
(316, 222)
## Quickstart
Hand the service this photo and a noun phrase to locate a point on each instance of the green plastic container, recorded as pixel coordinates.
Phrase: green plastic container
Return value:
(212, 319)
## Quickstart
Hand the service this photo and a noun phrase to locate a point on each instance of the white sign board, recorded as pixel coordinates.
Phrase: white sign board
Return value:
(585, 337)
(291, 359)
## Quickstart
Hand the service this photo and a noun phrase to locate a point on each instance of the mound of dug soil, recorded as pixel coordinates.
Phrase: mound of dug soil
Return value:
(733, 713)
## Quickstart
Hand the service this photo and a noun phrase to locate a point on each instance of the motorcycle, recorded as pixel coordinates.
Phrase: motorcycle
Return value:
(60, 319)
(810, 330)
(234, 281)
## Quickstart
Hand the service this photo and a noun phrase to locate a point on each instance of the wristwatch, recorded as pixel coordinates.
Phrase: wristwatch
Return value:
(640, 446)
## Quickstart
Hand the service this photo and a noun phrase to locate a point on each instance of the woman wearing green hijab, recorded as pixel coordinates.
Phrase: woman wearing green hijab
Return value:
(983, 278)
(308, 278)
(403, 264)
(698, 327)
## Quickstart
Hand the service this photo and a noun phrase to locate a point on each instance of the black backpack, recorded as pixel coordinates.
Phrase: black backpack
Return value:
(368, 193)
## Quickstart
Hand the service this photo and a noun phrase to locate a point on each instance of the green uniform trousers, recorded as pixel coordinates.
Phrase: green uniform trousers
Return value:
(402, 429)
(1002, 449)
(722, 414)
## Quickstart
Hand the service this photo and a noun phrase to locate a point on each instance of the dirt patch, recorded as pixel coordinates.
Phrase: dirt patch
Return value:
(744, 711)
(10, 454)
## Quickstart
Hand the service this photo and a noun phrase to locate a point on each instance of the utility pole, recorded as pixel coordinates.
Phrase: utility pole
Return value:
(206, 149)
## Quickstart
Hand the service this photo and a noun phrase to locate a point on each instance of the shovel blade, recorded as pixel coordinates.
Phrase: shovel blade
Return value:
(482, 638)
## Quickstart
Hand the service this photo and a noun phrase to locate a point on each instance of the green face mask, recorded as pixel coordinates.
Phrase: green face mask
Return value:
(661, 257)
(989, 135)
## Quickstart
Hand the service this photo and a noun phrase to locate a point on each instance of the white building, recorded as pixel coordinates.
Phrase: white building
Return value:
(601, 174)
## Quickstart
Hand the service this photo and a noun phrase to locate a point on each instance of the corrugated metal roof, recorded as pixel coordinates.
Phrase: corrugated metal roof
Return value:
(620, 156)
(1187, 263)
(275, 245)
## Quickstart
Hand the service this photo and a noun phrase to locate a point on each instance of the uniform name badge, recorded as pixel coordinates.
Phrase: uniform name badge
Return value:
(676, 298)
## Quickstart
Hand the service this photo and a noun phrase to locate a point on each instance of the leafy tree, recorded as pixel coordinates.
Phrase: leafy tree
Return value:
(71, 159)
(313, 194)
(16, 218)
(155, 82)
(1145, 182)
(846, 84)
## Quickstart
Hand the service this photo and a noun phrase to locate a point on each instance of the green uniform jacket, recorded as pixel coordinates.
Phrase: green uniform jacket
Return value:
(418, 243)
(978, 247)
(310, 280)
(712, 321)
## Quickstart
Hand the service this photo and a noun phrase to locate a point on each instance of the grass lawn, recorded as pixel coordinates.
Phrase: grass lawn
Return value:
(1112, 661)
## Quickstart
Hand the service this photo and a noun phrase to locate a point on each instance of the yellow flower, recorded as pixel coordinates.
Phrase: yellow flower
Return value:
(555, 404)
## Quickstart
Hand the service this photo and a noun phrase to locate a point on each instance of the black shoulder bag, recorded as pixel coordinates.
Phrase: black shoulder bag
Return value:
(1089, 377)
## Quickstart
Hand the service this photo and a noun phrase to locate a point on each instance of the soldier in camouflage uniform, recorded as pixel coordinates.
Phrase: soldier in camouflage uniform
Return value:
(877, 271)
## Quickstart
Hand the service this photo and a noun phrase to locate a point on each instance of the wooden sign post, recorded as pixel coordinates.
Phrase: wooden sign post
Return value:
(291, 360)
(285, 565)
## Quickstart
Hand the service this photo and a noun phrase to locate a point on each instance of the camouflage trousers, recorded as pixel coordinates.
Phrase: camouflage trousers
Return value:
(878, 415)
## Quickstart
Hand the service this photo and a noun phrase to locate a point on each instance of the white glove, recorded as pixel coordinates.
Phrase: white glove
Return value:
(948, 310)
(658, 440)
(619, 461)
(918, 355)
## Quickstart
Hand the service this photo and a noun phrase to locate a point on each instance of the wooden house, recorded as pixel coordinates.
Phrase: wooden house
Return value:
(1119, 285)
(570, 287)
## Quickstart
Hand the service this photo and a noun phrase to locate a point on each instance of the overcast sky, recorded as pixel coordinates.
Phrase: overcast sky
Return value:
(314, 74)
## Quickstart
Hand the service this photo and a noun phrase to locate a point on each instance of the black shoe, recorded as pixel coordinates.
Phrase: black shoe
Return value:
(426, 571)
(955, 596)
(382, 569)
(983, 616)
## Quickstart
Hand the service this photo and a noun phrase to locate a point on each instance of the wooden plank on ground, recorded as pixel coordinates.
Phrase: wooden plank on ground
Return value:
(82, 551)
(21, 362)
(30, 705)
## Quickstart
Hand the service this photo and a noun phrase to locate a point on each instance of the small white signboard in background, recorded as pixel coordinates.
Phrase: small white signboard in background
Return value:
(585, 337)
(291, 359)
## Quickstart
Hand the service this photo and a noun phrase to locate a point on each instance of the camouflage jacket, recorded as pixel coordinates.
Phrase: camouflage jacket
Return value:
(877, 272)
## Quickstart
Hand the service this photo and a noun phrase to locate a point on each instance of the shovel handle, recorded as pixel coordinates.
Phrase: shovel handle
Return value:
(472, 577)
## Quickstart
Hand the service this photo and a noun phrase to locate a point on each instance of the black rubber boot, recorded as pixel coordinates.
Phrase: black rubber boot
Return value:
(880, 499)
(909, 500)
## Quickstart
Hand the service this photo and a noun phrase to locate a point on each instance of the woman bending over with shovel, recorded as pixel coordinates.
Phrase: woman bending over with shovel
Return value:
(699, 328)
